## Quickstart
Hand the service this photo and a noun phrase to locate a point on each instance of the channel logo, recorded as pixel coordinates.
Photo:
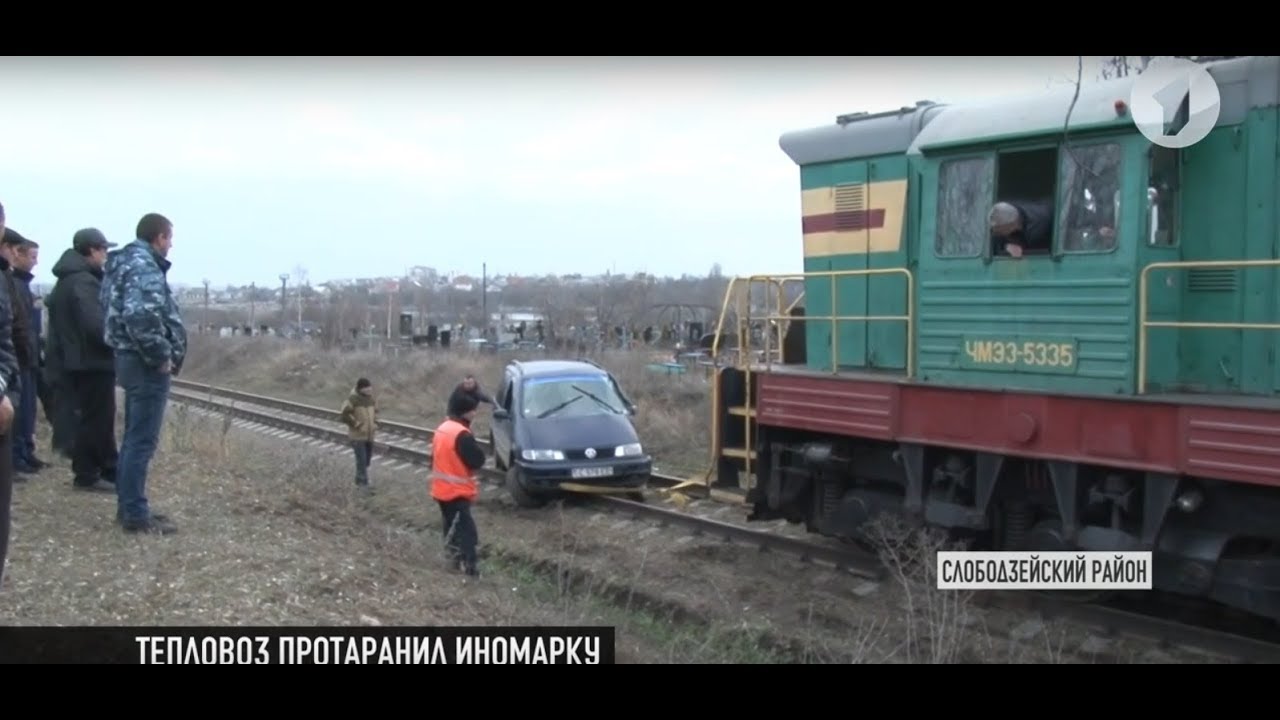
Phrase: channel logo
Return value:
(1175, 102)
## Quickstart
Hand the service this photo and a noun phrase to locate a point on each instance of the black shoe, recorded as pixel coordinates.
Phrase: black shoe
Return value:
(95, 486)
(155, 525)
(157, 516)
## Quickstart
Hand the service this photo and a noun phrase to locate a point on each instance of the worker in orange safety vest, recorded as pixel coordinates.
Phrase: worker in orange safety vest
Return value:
(455, 459)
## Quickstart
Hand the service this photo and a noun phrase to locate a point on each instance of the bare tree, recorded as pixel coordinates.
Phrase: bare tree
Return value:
(1117, 66)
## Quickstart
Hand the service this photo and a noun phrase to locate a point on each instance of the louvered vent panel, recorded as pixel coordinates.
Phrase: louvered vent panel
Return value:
(1221, 280)
(851, 206)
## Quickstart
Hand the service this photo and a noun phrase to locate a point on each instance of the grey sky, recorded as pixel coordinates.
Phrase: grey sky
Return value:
(364, 167)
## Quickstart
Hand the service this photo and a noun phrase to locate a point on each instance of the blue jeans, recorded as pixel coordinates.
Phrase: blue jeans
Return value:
(24, 422)
(364, 454)
(146, 393)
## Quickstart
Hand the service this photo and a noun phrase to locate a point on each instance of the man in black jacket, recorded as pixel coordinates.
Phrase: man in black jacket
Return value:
(19, 337)
(1021, 227)
(8, 379)
(23, 254)
(86, 364)
(469, 387)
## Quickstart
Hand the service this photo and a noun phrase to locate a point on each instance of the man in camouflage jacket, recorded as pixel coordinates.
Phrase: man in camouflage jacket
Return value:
(144, 327)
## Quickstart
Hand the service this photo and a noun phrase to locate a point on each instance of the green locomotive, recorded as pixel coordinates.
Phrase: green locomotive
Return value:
(1026, 321)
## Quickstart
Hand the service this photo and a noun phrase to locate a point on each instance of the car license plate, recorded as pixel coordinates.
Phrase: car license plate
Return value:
(592, 472)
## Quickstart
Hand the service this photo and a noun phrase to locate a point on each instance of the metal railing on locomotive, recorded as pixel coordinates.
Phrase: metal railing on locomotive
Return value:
(1144, 323)
(780, 321)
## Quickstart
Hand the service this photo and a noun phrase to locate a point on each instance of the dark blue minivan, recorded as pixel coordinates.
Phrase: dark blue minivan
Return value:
(565, 425)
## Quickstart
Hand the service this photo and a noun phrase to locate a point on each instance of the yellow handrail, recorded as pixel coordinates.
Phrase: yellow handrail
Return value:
(1144, 323)
(724, 309)
(835, 320)
(783, 318)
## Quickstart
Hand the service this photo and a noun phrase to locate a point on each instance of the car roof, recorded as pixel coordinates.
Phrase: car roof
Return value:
(551, 368)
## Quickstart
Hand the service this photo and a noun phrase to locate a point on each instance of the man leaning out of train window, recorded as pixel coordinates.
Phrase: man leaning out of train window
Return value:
(1021, 227)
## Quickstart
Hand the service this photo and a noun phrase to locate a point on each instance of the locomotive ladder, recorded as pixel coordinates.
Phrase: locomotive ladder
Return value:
(733, 386)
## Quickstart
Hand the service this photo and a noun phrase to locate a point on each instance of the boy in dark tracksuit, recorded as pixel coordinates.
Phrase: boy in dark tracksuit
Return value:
(360, 414)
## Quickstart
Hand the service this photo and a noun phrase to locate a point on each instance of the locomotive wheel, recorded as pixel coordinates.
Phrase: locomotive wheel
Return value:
(1047, 535)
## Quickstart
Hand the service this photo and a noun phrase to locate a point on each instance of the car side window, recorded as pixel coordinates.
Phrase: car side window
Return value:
(507, 391)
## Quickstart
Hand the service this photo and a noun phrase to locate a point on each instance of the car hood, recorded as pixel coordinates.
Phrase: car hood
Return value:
(578, 432)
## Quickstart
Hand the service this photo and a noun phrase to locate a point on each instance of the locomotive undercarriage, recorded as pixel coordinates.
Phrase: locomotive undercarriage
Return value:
(1210, 539)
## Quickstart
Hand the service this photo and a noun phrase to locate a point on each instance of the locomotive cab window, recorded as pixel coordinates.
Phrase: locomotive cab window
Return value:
(1020, 223)
(1089, 204)
(1162, 196)
(964, 194)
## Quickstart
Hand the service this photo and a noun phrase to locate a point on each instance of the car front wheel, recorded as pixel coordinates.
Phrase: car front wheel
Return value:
(521, 496)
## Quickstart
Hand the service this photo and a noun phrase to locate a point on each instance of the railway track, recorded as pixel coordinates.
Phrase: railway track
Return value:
(411, 444)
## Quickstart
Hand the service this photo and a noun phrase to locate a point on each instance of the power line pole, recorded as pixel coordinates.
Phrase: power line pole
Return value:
(484, 299)
(253, 307)
(205, 321)
(284, 299)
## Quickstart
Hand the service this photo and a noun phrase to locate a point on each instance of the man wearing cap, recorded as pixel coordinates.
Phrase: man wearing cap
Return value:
(21, 255)
(8, 378)
(85, 364)
(455, 459)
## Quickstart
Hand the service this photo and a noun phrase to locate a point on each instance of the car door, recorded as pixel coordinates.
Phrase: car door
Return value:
(500, 424)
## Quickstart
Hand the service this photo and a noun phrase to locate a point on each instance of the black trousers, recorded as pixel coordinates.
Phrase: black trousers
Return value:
(94, 453)
(460, 534)
(44, 391)
(66, 416)
(6, 495)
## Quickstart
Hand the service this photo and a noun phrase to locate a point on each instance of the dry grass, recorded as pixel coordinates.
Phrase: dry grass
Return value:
(280, 538)
(952, 626)
(413, 386)
(275, 533)
(255, 547)
(702, 600)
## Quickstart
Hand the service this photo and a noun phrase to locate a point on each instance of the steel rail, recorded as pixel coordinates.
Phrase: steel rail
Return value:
(656, 480)
(842, 558)
(1111, 620)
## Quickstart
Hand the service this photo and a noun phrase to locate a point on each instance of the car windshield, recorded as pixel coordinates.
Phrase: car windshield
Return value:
(571, 396)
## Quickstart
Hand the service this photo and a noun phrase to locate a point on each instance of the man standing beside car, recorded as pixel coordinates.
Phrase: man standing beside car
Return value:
(471, 388)
(455, 459)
